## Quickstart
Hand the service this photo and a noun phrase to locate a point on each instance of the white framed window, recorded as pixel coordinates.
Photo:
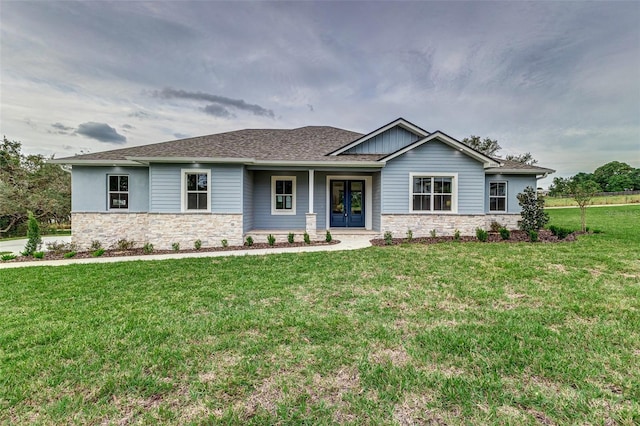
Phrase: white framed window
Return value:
(498, 196)
(433, 192)
(195, 192)
(283, 195)
(118, 192)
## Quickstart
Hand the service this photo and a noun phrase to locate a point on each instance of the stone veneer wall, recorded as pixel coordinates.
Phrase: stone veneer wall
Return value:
(422, 224)
(159, 229)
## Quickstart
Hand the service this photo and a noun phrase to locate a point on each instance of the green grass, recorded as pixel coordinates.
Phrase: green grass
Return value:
(452, 333)
(598, 201)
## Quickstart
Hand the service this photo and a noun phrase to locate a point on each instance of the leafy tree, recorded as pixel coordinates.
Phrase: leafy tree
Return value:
(29, 183)
(488, 147)
(34, 240)
(533, 215)
(615, 176)
(582, 191)
(558, 187)
(525, 158)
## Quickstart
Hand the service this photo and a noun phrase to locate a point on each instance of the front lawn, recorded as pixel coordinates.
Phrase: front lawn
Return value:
(472, 333)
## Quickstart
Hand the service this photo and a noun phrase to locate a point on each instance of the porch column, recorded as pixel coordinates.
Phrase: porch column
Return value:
(311, 227)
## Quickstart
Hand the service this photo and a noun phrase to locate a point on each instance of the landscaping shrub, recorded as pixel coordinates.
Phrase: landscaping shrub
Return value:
(197, 244)
(432, 233)
(533, 215)
(307, 239)
(124, 244)
(456, 235)
(388, 238)
(98, 253)
(271, 239)
(34, 240)
(328, 237)
(495, 226)
(96, 245)
(59, 248)
(248, 242)
(38, 255)
(69, 254)
(505, 234)
(559, 231)
(291, 237)
(225, 243)
(481, 234)
(147, 248)
(533, 236)
(175, 246)
(409, 235)
(9, 256)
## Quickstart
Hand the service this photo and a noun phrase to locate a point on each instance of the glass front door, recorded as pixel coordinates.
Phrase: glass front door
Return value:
(347, 203)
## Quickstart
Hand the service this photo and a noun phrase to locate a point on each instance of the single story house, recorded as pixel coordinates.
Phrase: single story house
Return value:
(257, 181)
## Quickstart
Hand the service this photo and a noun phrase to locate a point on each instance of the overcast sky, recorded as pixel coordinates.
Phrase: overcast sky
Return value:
(558, 79)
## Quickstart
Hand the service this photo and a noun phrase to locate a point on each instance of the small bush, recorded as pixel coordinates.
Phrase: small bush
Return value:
(147, 248)
(495, 226)
(9, 256)
(124, 244)
(197, 244)
(388, 238)
(432, 233)
(560, 232)
(34, 240)
(69, 254)
(60, 248)
(533, 236)
(225, 243)
(481, 234)
(38, 254)
(307, 239)
(505, 234)
(175, 246)
(271, 239)
(409, 235)
(249, 241)
(98, 253)
(456, 235)
(96, 245)
(291, 237)
(328, 237)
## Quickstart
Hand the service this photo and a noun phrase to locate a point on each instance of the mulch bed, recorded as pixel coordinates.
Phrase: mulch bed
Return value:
(140, 251)
(544, 236)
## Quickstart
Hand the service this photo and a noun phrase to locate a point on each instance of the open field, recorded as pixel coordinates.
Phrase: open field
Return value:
(596, 201)
(453, 333)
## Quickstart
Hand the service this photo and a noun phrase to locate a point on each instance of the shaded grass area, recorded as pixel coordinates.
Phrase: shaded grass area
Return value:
(449, 333)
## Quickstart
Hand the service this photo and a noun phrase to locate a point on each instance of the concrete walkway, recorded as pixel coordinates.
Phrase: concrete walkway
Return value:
(347, 242)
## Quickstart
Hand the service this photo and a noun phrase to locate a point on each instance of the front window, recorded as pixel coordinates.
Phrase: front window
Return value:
(118, 192)
(283, 195)
(432, 193)
(498, 196)
(195, 190)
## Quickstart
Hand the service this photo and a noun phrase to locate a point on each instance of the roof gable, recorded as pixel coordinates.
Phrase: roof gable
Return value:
(448, 140)
(400, 122)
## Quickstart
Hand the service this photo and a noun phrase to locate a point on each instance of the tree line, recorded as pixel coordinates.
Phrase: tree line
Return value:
(611, 177)
(28, 183)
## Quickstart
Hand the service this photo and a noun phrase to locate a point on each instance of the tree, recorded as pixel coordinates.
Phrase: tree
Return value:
(34, 240)
(558, 187)
(29, 183)
(525, 158)
(582, 191)
(488, 147)
(533, 215)
(614, 176)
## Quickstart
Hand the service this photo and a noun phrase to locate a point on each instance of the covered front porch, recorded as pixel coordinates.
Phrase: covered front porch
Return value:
(281, 200)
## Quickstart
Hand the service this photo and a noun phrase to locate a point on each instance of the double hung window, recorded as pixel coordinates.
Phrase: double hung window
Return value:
(432, 193)
(498, 196)
(195, 190)
(283, 195)
(118, 192)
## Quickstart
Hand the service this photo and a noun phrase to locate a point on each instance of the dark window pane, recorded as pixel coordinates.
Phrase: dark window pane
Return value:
(502, 204)
(191, 182)
(421, 202)
(202, 182)
(124, 183)
(113, 183)
(446, 185)
(437, 186)
(118, 201)
(192, 201)
(442, 203)
(202, 201)
(279, 187)
(288, 187)
(502, 189)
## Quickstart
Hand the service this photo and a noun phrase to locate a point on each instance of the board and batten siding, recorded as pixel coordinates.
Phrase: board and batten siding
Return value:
(225, 187)
(386, 142)
(89, 188)
(515, 185)
(262, 217)
(433, 157)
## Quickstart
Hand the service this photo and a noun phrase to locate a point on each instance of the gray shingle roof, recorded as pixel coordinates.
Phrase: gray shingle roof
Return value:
(517, 166)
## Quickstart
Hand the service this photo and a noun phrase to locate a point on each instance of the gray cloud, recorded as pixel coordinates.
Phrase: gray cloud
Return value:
(101, 132)
(61, 129)
(219, 105)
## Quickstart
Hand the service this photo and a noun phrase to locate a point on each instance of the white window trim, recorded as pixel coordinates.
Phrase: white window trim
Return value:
(454, 192)
(183, 190)
(275, 211)
(506, 196)
(109, 208)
